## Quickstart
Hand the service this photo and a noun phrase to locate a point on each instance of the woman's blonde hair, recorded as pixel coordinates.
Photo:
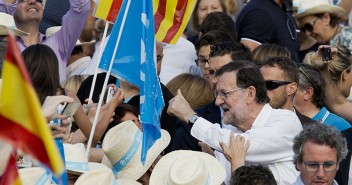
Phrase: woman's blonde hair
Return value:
(74, 82)
(196, 90)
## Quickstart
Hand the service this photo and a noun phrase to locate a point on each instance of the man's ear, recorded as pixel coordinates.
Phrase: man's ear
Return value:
(251, 94)
(308, 93)
(292, 88)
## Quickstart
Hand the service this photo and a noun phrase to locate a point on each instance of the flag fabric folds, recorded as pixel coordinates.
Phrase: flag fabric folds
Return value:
(10, 175)
(107, 9)
(135, 62)
(21, 120)
(171, 18)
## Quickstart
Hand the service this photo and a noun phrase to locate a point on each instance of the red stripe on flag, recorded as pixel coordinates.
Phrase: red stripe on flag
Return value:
(178, 18)
(159, 15)
(22, 138)
(10, 175)
(17, 60)
(114, 10)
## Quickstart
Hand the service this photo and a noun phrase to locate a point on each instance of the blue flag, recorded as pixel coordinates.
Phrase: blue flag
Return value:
(135, 62)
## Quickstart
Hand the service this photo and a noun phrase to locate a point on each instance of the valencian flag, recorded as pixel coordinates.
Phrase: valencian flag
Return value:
(135, 59)
(107, 9)
(171, 18)
(10, 175)
(21, 120)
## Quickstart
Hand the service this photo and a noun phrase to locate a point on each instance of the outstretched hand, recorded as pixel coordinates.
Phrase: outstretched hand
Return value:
(50, 104)
(236, 152)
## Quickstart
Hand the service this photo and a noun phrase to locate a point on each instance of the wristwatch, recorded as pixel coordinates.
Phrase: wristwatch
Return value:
(192, 119)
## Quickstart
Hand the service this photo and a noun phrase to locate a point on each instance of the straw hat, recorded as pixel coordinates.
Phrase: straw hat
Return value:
(5, 151)
(311, 7)
(54, 29)
(34, 175)
(122, 146)
(76, 161)
(188, 168)
(103, 176)
(8, 23)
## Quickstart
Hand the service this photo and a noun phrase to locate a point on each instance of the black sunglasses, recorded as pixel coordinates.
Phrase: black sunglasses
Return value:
(25, 1)
(273, 84)
(309, 26)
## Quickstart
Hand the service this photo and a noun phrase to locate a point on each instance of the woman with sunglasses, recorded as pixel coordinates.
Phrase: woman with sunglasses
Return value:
(320, 19)
(337, 75)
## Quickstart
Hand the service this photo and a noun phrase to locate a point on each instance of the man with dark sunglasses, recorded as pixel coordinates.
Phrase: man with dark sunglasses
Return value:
(318, 151)
(28, 15)
(281, 79)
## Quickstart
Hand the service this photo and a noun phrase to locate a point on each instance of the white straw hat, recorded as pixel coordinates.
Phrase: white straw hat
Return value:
(5, 151)
(55, 29)
(103, 176)
(311, 7)
(184, 167)
(34, 176)
(76, 161)
(122, 146)
(7, 22)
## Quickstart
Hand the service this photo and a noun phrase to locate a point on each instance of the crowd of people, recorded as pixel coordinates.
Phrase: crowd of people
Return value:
(250, 96)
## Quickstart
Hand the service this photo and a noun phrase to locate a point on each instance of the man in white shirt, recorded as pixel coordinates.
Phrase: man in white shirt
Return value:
(318, 151)
(241, 93)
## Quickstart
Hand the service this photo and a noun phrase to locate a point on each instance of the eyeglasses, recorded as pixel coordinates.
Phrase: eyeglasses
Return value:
(304, 73)
(314, 166)
(274, 84)
(201, 61)
(309, 26)
(291, 25)
(26, 1)
(224, 94)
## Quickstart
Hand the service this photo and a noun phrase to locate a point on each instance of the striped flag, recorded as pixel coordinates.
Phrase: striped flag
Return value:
(171, 18)
(107, 9)
(21, 120)
(11, 172)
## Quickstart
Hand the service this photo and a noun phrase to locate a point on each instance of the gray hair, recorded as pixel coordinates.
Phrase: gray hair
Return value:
(322, 135)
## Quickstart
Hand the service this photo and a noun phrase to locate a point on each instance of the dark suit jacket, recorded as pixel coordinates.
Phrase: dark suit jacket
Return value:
(305, 120)
(183, 139)
(344, 169)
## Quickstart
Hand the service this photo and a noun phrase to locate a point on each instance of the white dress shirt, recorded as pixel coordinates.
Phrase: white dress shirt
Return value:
(271, 140)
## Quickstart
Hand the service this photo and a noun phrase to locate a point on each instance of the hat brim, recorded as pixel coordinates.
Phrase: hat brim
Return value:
(127, 182)
(86, 43)
(161, 171)
(92, 166)
(331, 9)
(135, 171)
(4, 30)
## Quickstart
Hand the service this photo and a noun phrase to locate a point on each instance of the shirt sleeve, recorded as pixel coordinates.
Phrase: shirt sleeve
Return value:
(276, 136)
(257, 25)
(8, 8)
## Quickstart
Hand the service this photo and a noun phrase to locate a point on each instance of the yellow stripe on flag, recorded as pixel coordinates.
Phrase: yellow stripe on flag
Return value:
(168, 20)
(155, 6)
(187, 16)
(103, 9)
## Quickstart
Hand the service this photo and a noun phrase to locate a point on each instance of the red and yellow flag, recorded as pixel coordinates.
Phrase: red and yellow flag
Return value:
(21, 120)
(171, 18)
(11, 172)
(107, 9)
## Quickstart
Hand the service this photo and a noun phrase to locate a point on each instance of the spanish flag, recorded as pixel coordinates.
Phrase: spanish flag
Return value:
(11, 172)
(171, 18)
(21, 120)
(107, 9)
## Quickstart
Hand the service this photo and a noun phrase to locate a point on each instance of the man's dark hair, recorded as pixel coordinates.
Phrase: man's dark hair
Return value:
(287, 65)
(3, 46)
(310, 77)
(237, 50)
(253, 175)
(219, 21)
(211, 38)
(247, 74)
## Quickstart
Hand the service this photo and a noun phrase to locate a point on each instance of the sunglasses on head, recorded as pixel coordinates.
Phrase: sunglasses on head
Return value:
(309, 26)
(26, 1)
(273, 84)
